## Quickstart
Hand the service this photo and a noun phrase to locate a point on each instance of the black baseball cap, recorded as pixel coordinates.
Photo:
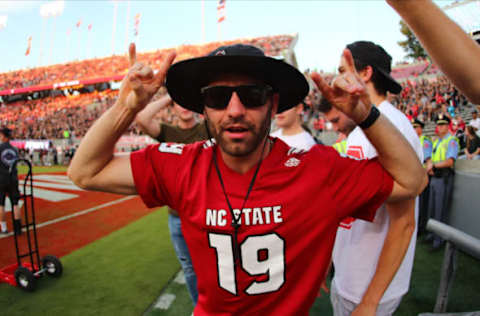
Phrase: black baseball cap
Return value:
(374, 55)
(418, 123)
(442, 119)
(6, 132)
(186, 78)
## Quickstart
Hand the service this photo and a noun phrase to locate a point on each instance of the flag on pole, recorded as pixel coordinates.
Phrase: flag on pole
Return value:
(137, 23)
(79, 23)
(221, 10)
(90, 27)
(29, 46)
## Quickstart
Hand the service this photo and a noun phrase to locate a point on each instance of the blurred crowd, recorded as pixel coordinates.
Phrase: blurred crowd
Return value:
(426, 93)
(116, 65)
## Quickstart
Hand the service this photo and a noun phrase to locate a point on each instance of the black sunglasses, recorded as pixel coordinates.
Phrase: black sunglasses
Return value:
(252, 96)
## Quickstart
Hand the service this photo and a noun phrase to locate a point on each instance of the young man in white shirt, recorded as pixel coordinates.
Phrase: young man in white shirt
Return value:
(475, 122)
(291, 130)
(364, 286)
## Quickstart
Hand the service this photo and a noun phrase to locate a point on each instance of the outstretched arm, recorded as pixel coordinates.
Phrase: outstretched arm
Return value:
(145, 117)
(400, 230)
(348, 93)
(437, 33)
(94, 166)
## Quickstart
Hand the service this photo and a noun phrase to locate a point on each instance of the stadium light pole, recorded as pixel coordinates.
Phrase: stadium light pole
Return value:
(127, 24)
(52, 39)
(115, 4)
(203, 21)
(42, 38)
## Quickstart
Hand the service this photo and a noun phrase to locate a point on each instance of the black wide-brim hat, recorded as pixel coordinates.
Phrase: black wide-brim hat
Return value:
(186, 78)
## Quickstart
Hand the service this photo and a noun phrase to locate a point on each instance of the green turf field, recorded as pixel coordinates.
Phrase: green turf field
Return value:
(120, 274)
(464, 295)
(22, 169)
(125, 272)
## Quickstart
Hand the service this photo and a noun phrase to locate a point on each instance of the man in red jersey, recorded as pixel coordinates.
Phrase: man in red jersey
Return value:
(259, 218)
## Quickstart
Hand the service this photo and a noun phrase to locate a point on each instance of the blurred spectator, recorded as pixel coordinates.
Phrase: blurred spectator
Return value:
(472, 149)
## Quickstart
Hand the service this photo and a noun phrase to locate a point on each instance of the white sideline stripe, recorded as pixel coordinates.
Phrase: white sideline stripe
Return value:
(70, 186)
(53, 178)
(180, 278)
(92, 209)
(164, 301)
(53, 196)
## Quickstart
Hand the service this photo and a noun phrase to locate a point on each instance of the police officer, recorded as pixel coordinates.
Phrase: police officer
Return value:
(441, 169)
(8, 180)
(426, 143)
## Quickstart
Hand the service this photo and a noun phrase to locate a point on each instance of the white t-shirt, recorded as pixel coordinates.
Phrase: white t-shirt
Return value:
(301, 140)
(359, 243)
(476, 123)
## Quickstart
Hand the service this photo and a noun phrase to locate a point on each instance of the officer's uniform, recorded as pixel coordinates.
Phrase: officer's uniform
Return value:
(441, 183)
(426, 144)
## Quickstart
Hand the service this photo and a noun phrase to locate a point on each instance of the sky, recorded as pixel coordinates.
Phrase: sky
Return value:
(323, 27)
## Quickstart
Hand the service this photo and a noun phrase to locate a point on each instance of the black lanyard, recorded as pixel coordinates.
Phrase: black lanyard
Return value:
(236, 219)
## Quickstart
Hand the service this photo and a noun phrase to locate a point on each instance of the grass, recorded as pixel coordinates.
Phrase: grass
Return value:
(120, 274)
(22, 169)
(464, 294)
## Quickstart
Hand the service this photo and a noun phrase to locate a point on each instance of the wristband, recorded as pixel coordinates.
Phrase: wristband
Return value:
(371, 118)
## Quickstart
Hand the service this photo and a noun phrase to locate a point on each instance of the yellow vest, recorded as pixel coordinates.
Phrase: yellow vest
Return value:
(423, 138)
(341, 147)
(440, 149)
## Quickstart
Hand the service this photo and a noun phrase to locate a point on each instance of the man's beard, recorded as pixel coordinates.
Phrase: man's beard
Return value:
(245, 147)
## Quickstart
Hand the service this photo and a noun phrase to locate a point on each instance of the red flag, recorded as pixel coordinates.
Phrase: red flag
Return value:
(90, 27)
(29, 46)
(79, 23)
(221, 10)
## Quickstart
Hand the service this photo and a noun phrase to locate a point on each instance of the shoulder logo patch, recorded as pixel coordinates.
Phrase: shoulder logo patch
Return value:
(292, 162)
(172, 148)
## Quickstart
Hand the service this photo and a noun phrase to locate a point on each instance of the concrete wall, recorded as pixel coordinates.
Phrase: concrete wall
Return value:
(465, 208)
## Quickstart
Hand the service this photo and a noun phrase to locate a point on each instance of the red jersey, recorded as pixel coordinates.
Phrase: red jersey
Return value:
(288, 223)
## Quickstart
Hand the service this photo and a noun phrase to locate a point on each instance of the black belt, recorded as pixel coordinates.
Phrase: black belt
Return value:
(442, 172)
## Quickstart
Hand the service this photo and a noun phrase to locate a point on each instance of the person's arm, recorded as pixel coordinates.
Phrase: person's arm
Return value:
(448, 163)
(400, 231)
(436, 31)
(94, 166)
(145, 120)
(348, 94)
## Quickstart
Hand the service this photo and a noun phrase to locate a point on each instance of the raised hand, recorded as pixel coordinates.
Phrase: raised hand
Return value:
(140, 84)
(347, 92)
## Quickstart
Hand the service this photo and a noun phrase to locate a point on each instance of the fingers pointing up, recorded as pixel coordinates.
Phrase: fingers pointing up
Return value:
(132, 54)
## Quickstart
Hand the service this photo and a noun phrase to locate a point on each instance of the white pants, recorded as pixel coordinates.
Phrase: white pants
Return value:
(343, 307)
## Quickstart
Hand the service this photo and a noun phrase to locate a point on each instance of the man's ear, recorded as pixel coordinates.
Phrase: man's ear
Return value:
(275, 99)
(366, 74)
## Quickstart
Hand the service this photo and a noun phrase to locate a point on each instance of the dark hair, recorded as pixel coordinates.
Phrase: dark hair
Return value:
(379, 82)
(324, 105)
(6, 132)
(471, 135)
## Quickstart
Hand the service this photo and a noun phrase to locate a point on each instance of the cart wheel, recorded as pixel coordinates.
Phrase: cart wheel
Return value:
(25, 279)
(52, 266)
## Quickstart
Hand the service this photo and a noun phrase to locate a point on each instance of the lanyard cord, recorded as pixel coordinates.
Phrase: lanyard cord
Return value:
(236, 220)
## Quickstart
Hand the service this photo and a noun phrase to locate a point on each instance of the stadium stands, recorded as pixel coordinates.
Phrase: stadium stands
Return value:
(60, 102)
